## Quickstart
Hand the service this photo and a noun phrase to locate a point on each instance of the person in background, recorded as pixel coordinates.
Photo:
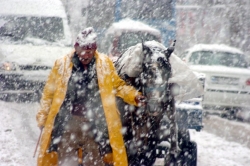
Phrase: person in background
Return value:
(78, 116)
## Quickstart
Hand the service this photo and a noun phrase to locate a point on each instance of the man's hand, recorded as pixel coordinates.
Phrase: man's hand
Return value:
(140, 100)
(108, 159)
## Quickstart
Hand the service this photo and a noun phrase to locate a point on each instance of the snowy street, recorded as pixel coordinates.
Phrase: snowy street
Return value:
(220, 143)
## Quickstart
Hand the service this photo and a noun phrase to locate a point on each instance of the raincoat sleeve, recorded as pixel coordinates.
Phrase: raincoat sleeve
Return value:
(46, 100)
(126, 92)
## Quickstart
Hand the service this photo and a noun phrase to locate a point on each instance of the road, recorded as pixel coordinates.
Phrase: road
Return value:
(230, 130)
(220, 143)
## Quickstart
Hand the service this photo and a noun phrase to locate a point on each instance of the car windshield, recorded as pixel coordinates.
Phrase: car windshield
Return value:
(35, 30)
(218, 58)
(132, 38)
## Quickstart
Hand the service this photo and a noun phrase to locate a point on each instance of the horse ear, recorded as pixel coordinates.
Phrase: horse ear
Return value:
(170, 50)
(145, 49)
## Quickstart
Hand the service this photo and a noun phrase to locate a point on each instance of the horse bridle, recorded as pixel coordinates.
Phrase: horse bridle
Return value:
(144, 90)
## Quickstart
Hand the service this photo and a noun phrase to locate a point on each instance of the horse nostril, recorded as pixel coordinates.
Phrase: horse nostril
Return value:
(153, 108)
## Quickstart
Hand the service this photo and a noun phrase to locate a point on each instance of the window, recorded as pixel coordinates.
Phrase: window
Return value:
(131, 38)
(19, 28)
(183, 55)
(106, 43)
(218, 58)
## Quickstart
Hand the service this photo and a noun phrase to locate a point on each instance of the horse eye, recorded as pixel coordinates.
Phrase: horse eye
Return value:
(151, 73)
(161, 60)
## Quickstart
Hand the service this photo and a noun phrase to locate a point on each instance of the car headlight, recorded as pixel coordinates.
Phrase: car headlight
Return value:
(8, 66)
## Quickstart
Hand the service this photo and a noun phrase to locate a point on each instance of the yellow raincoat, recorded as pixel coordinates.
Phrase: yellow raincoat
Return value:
(110, 85)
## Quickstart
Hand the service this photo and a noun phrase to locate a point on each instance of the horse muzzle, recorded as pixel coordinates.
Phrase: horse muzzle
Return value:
(153, 107)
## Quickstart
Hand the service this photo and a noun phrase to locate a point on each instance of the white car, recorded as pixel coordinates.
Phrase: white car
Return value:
(227, 86)
(32, 35)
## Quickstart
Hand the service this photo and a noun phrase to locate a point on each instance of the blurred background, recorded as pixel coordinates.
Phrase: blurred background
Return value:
(197, 21)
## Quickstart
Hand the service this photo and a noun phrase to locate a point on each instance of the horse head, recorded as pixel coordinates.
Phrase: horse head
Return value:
(156, 71)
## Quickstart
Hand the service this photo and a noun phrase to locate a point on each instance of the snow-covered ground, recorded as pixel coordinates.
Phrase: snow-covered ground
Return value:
(19, 133)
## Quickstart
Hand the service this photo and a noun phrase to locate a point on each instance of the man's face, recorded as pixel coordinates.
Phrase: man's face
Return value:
(85, 56)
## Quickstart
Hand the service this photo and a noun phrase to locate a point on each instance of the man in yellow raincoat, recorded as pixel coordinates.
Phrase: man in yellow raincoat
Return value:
(78, 114)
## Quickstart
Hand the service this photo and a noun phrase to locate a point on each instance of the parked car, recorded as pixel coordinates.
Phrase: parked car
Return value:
(32, 35)
(227, 71)
(125, 33)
